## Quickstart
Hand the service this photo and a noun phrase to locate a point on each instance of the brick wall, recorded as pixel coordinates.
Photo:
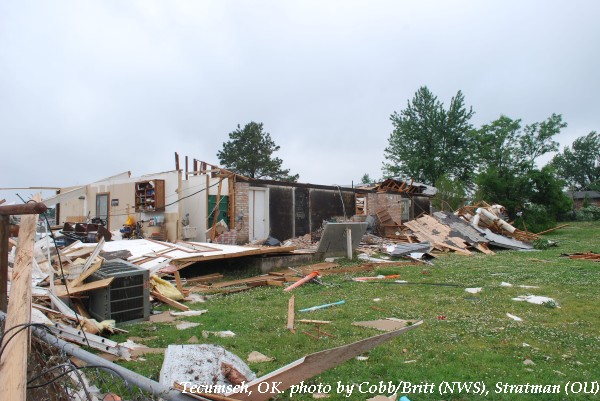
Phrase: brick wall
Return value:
(390, 202)
(242, 212)
(227, 238)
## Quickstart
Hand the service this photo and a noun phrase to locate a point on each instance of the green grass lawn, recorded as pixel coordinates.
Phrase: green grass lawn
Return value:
(476, 342)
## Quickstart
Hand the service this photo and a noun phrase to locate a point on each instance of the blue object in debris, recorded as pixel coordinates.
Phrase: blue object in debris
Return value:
(404, 398)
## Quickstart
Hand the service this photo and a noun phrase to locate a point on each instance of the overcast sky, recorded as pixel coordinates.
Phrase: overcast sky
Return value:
(89, 89)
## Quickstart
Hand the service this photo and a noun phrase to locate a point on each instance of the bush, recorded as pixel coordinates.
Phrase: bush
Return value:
(535, 219)
(588, 213)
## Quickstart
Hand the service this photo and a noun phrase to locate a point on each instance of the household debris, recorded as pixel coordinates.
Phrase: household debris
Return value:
(186, 325)
(583, 256)
(223, 334)
(312, 365)
(513, 317)
(492, 217)
(538, 300)
(475, 290)
(257, 357)
(200, 364)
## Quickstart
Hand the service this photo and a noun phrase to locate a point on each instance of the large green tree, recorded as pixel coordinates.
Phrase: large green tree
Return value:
(507, 173)
(429, 142)
(249, 152)
(579, 165)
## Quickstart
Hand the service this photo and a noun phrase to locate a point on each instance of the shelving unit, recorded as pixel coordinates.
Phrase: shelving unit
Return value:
(150, 196)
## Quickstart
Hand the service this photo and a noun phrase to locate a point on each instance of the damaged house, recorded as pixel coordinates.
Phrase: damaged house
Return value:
(211, 204)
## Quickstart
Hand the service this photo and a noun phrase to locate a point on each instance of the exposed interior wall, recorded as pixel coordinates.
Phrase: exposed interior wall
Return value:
(394, 203)
(195, 206)
(327, 204)
(73, 210)
(292, 210)
(421, 205)
(121, 201)
(281, 212)
(242, 212)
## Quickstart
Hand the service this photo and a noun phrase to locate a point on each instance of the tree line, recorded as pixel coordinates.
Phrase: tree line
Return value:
(496, 162)
(438, 145)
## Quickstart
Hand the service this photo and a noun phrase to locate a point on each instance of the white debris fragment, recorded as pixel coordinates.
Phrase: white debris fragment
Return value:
(226, 333)
(505, 284)
(189, 313)
(515, 318)
(186, 325)
(536, 299)
(256, 356)
(473, 290)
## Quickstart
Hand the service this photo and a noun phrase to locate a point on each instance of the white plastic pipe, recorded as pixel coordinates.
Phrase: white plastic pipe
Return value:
(495, 219)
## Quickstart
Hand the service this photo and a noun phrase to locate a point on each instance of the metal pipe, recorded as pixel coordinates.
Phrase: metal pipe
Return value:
(26, 208)
(137, 380)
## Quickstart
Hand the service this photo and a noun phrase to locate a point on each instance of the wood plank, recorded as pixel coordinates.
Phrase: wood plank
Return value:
(245, 281)
(291, 313)
(169, 301)
(88, 271)
(13, 365)
(184, 262)
(61, 290)
(178, 281)
(314, 364)
(203, 279)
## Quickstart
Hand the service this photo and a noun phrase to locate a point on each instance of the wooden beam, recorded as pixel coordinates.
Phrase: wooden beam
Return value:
(186, 168)
(216, 212)
(169, 301)
(4, 237)
(176, 161)
(178, 281)
(291, 313)
(61, 290)
(13, 365)
(312, 365)
(231, 211)
(87, 271)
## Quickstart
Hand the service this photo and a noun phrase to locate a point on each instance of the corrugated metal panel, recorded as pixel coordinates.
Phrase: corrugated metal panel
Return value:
(461, 228)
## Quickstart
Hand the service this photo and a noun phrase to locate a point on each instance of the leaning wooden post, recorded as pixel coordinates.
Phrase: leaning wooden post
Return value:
(4, 235)
(13, 363)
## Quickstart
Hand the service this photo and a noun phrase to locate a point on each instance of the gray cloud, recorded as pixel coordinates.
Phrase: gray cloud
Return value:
(90, 89)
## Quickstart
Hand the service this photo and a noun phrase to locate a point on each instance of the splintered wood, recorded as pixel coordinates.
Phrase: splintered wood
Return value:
(13, 365)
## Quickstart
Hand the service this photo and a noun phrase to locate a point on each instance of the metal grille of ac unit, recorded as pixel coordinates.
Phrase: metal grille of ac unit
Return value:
(126, 299)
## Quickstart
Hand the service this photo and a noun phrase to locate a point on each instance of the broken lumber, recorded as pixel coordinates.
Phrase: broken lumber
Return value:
(314, 364)
(63, 291)
(13, 365)
(291, 306)
(169, 301)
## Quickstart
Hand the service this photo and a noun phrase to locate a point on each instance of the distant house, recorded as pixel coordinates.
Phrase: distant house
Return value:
(579, 198)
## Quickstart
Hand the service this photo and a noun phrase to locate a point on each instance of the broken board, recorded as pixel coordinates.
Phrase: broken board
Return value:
(313, 364)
